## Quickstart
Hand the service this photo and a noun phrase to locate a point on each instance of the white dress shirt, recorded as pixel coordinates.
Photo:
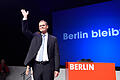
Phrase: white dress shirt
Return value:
(45, 55)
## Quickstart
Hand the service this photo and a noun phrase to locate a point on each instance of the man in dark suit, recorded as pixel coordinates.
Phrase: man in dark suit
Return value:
(43, 54)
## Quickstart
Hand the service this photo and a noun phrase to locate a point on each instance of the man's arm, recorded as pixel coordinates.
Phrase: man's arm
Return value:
(25, 28)
(57, 59)
(26, 31)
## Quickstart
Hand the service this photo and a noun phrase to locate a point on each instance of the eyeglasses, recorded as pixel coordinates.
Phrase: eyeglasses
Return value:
(42, 25)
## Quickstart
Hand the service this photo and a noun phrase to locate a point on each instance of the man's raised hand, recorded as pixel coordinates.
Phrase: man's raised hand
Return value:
(24, 13)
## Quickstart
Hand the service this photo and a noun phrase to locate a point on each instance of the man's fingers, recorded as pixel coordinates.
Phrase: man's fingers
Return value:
(27, 72)
(56, 73)
(27, 12)
(22, 10)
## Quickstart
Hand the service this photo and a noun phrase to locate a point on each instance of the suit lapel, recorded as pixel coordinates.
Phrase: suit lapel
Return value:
(48, 41)
(40, 39)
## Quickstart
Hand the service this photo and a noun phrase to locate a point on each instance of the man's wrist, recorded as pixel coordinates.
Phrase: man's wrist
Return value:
(28, 67)
(24, 18)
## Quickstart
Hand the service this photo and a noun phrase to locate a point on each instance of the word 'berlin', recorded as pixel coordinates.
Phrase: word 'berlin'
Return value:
(81, 66)
(93, 34)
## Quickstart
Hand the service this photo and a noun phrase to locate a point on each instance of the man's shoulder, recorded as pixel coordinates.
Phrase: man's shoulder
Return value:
(52, 36)
(37, 34)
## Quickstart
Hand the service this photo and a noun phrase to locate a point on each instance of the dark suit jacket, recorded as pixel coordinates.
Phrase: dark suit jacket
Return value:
(52, 47)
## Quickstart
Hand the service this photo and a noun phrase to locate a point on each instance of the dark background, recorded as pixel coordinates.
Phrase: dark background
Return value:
(13, 44)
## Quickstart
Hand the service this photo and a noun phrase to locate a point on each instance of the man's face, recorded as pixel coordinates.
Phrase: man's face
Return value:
(43, 26)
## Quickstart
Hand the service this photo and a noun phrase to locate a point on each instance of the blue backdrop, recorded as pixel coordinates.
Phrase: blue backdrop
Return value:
(89, 32)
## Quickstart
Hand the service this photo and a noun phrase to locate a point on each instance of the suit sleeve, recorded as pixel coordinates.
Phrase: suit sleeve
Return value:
(57, 56)
(25, 30)
(31, 52)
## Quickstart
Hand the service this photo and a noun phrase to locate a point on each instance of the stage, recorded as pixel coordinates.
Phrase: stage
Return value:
(16, 74)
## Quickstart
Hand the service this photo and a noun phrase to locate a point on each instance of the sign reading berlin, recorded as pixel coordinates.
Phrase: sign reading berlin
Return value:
(90, 71)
